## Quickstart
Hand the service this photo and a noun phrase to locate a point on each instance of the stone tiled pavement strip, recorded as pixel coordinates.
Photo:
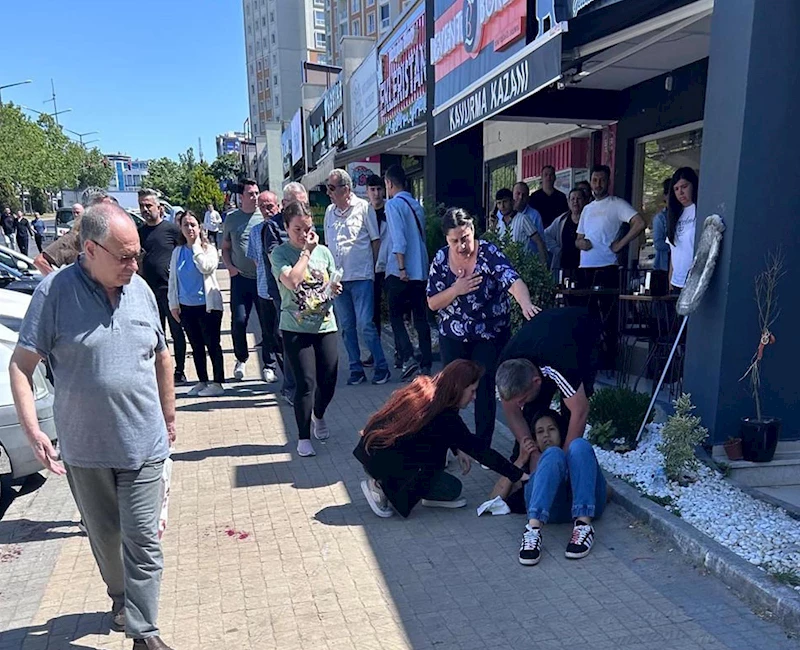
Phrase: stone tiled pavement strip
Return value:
(267, 550)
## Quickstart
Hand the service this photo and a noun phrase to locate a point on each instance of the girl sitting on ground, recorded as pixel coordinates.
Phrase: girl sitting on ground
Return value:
(404, 445)
(567, 485)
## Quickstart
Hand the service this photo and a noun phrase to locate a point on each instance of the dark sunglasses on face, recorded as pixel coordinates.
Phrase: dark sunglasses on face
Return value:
(333, 188)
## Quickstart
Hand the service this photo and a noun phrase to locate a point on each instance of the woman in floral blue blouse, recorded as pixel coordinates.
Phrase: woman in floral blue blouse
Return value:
(468, 286)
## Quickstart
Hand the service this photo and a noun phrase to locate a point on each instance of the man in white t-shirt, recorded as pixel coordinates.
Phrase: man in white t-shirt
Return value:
(353, 237)
(212, 222)
(599, 226)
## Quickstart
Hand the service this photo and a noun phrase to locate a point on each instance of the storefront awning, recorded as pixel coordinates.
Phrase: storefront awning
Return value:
(534, 67)
(408, 142)
(649, 49)
(319, 175)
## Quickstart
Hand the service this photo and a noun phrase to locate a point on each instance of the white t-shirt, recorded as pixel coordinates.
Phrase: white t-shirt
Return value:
(600, 222)
(349, 235)
(212, 221)
(683, 248)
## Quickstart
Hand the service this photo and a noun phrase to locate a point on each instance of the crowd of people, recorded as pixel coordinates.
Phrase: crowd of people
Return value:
(99, 324)
(17, 230)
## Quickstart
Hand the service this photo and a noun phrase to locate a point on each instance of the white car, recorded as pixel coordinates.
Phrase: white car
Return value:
(17, 260)
(16, 455)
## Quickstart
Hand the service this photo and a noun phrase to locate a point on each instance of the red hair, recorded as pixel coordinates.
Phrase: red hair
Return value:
(411, 407)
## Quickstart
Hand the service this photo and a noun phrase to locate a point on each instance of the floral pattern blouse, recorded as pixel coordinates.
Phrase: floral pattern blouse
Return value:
(484, 313)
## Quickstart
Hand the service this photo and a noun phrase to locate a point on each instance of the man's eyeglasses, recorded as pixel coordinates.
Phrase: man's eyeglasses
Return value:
(122, 259)
(333, 188)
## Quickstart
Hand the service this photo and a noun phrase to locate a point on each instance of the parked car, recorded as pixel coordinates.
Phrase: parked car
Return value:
(64, 219)
(15, 280)
(17, 459)
(17, 260)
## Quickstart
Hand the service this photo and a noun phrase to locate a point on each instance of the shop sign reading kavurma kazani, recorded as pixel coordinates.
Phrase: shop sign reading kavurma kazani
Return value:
(402, 76)
(471, 38)
(533, 68)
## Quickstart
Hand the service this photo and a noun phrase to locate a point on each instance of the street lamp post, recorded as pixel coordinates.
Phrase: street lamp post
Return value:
(81, 136)
(33, 110)
(18, 83)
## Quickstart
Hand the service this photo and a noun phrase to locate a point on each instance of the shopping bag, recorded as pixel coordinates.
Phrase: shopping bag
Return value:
(166, 477)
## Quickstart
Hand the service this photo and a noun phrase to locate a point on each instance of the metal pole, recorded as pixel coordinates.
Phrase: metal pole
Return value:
(55, 108)
(663, 376)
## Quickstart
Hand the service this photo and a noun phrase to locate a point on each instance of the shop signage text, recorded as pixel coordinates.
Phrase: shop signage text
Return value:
(297, 136)
(332, 99)
(286, 150)
(402, 76)
(335, 128)
(466, 27)
(363, 100)
(539, 66)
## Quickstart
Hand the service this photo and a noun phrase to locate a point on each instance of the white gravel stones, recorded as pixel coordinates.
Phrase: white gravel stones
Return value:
(756, 531)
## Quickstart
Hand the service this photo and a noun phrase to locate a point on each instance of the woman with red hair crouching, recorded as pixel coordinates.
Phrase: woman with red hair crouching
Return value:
(404, 445)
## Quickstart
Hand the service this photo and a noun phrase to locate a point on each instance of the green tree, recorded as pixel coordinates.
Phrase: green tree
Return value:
(95, 170)
(9, 197)
(22, 146)
(204, 190)
(173, 178)
(40, 201)
(226, 167)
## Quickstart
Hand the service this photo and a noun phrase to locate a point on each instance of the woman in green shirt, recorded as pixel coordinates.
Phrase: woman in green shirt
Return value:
(308, 281)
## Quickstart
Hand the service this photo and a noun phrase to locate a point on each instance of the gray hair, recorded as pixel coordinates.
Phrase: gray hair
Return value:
(514, 377)
(293, 191)
(94, 195)
(96, 221)
(343, 178)
(144, 193)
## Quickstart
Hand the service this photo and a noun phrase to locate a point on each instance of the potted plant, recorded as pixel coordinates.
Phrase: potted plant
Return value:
(760, 434)
(733, 448)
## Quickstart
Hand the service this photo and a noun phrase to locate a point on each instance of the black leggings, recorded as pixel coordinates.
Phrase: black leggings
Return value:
(314, 359)
(484, 353)
(202, 328)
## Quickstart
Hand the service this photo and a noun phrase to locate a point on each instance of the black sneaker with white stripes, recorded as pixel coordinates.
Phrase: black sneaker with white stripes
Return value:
(581, 541)
(530, 550)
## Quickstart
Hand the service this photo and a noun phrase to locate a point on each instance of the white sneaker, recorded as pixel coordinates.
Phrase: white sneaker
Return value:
(305, 448)
(269, 375)
(376, 499)
(212, 390)
(320, 428)
(238, 370)
(195, 390)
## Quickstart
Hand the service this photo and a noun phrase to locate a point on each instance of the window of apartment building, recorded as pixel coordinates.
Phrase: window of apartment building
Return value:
(274, 59)
(319, 18)
(319, 3)
(273, 38)
(342, 29)
(370, 3)
(385, 16)
(319, 40)
(253, 88)
(370, 24)
(275, 79)
(258, 64)
(271, 16)
(356, 28)
(355, 6)
(263, 21)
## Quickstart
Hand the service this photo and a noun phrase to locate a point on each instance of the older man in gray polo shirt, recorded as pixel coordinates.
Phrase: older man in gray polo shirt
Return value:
(96, 322)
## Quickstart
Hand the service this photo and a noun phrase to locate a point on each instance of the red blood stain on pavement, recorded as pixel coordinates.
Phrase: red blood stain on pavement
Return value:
(239, 534)
(10, 554)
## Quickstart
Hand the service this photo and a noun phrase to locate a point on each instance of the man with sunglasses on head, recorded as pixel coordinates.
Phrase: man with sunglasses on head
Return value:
(96, 323)
(159, 238)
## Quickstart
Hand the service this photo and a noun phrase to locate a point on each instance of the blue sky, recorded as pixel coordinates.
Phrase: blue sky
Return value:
(150, 75)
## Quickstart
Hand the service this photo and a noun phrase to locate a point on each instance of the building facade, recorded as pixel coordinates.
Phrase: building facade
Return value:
(129, 174)
(279, 36)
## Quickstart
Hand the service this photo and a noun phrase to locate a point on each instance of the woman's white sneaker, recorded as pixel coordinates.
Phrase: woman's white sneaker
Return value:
(195, 390)
(320, 428)
(376, 499)
(305, 448)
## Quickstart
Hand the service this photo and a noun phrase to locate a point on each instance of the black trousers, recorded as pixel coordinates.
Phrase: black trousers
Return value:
(203, 329)
(38, 239)
(175, 330)
(402, 297)
(485, 353)
(212, 237)
(314, 359)
(271, 347)
(22, 244)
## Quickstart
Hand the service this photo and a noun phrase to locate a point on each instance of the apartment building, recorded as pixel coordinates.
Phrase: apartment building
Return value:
(279, 36)
(370, 18)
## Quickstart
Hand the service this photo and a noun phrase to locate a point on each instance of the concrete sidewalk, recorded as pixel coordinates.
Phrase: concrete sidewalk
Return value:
(267, 550)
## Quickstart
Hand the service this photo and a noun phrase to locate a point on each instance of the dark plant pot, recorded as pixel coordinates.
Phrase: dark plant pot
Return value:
(733, 449)
(759, 438)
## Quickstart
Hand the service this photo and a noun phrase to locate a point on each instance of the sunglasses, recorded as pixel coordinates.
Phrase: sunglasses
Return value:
(122, 259)
(333, 188)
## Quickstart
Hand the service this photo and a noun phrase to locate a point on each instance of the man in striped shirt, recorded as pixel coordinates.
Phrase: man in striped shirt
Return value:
(554, 352)
(525, 226)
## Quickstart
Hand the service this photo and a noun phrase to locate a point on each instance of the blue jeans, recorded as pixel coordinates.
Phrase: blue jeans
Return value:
(566, 485)
(354, 314)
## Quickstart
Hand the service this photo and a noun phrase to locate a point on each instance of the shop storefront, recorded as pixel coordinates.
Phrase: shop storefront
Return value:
(398, 132)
